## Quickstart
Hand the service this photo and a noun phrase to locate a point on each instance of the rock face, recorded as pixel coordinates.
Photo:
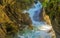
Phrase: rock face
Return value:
(52, 10)
(46, 17)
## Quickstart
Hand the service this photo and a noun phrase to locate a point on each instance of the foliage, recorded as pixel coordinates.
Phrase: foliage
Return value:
(52, 9)
(24, 4)
(11, 17)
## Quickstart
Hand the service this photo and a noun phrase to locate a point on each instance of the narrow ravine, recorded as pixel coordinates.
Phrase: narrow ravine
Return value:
(37, 32)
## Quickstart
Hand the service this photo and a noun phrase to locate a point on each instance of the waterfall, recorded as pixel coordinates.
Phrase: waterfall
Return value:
(42, 27)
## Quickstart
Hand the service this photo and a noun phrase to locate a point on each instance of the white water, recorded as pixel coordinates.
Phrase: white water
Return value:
(42, 27)
(34, 14)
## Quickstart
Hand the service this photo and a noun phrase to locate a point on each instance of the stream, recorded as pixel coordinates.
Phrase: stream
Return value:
(40, 28)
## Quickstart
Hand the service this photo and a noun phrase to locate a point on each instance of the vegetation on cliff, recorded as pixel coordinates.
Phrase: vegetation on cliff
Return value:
(12, 19)
(53, 11)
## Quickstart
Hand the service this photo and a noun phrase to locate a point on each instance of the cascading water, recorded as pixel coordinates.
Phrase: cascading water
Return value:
(34, 15)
